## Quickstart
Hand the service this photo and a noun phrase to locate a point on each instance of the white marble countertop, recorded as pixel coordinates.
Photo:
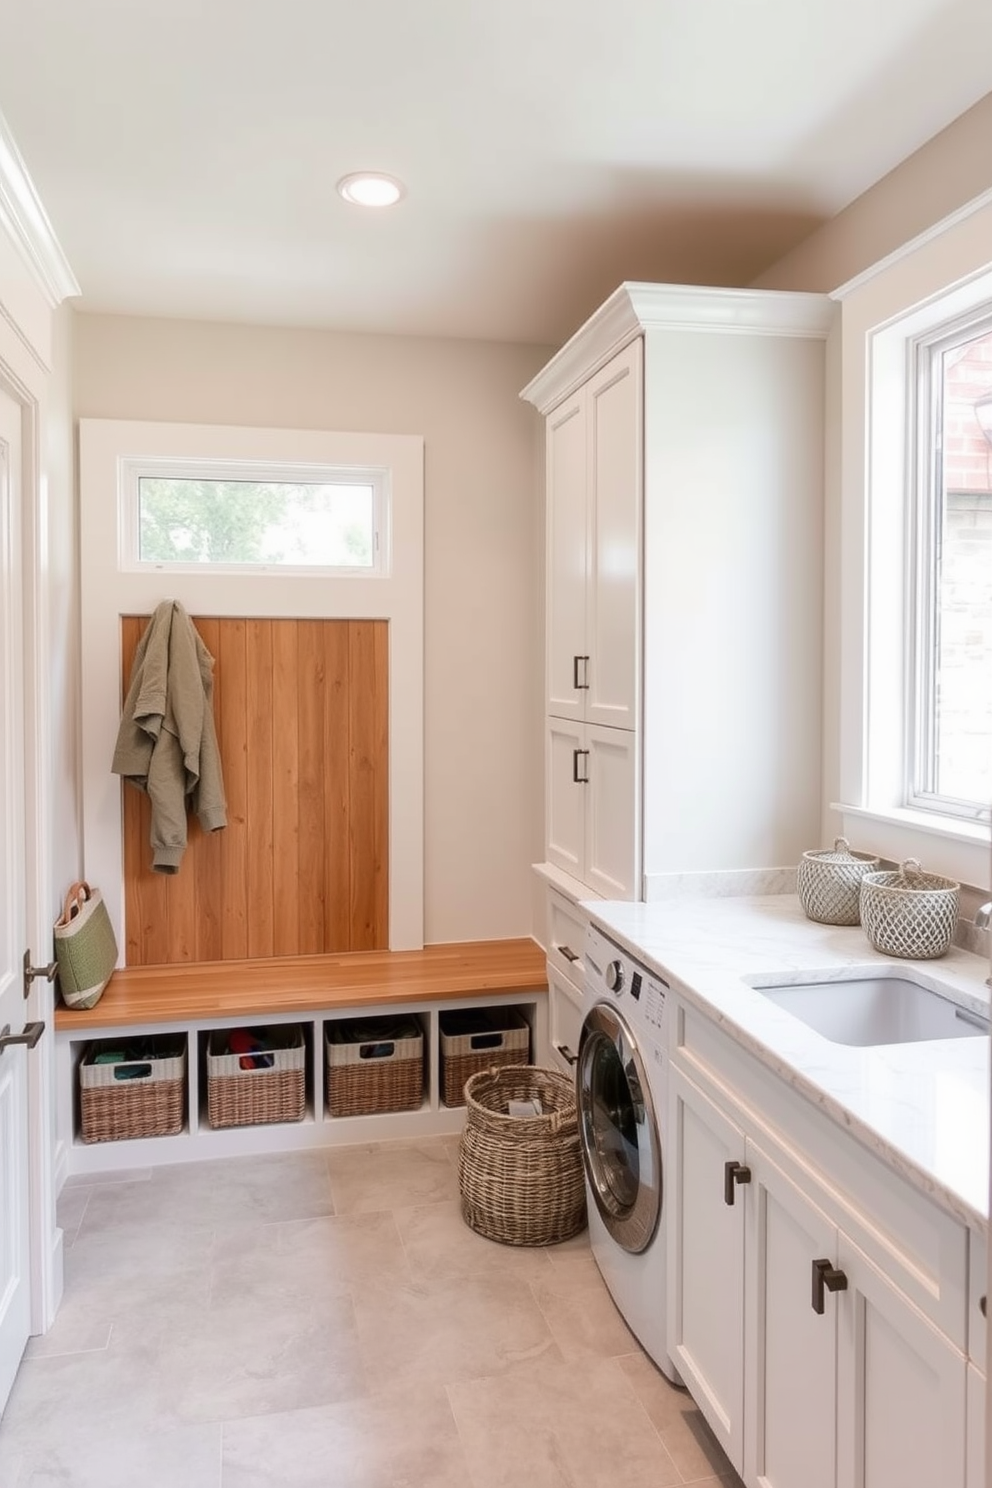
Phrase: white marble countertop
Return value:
(924, 1107)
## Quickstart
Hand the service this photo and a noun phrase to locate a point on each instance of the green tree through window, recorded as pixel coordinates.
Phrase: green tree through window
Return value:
(186, 520)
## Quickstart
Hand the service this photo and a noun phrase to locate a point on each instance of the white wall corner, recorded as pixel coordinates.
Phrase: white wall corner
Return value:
(24, 219)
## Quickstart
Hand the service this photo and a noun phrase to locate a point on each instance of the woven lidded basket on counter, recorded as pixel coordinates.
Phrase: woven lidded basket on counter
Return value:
(908, 912)
(520, 1177)
(829, 883)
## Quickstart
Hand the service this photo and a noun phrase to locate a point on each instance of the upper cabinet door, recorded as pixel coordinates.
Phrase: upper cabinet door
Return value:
(595, 463)
(615, 454)
(566, 538)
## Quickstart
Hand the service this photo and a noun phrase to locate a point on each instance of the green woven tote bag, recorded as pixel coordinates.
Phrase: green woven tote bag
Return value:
(85, 947)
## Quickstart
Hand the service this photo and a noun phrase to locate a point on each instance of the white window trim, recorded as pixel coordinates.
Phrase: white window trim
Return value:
(925, 350)
(945, 275)
(131, 470)
(109, 590)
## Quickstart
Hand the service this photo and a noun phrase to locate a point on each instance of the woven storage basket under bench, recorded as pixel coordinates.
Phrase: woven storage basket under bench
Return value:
(374, 1065)
(263, 1082)
(476, 1039)
(133, 1087)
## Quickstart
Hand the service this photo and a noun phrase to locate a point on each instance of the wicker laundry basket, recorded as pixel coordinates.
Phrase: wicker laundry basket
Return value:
(909, 912)
(829, 883)
(521, 1178)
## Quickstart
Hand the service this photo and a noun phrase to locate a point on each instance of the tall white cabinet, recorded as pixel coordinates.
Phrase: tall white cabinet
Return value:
(684, 446)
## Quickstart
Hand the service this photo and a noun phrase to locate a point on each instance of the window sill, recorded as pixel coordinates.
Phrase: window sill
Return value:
(957, 849)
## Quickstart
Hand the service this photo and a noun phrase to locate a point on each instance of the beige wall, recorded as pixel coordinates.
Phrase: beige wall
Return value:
(483, 560)
(950, 170)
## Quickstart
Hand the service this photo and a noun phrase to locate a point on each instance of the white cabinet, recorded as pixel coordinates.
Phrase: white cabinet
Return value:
(975, 1433)
(976, 1391)
(706, 1261)
(790, 1396)
(565, 1014)
(593, 538)
(593, 629)
(592, 804)
(684, 446)
(812, 1366)
(565, 941)
(902, 1384)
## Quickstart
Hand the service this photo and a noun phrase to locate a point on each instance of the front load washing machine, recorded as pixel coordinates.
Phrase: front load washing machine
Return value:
(622, 1093)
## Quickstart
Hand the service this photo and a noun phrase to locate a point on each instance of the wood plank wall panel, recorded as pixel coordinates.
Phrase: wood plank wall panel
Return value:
(369, 826)
(337, 746)
(302, 868)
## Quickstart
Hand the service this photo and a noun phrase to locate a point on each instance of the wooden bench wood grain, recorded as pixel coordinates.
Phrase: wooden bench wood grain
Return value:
(195, 992)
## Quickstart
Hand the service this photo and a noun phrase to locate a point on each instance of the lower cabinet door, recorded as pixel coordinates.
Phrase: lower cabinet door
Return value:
(566, 776)
(565, 1016)
(706, 1160)
(790, 1376)
(975, 1452)
(612, 836)
(901, 1388)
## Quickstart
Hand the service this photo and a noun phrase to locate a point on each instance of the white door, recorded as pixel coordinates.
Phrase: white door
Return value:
(615, 455)
(975, 1445)
(612, 805)
(901, 1388)
(790, 1373)
(567, 663)
(14, 1261)
(566, 776)
(706, 1157)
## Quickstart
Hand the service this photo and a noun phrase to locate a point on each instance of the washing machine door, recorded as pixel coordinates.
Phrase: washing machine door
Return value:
(620, 1145)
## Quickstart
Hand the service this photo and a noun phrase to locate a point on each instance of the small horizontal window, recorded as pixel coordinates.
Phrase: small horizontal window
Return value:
(328, 520)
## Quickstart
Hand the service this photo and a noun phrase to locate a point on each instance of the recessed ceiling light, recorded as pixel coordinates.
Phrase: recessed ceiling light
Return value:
(370, 189)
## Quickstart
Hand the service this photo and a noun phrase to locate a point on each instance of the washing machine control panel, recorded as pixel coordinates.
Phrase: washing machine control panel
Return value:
(654, 1002)
(612, 971)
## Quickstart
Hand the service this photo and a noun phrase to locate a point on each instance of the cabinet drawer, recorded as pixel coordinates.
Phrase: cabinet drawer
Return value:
(566, 937)
(566, 1014)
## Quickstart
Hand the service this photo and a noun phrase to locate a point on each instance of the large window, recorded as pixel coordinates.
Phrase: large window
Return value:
(909, 553)
(950, 730)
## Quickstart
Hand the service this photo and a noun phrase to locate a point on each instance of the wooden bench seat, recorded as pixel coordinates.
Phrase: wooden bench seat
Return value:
(198, 991)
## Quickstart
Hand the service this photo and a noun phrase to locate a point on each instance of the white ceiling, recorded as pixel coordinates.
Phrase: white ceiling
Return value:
(187, 152)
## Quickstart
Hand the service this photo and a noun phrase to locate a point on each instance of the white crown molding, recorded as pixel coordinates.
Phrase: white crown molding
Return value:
(635, 308)
(905, 250)
(25, 221)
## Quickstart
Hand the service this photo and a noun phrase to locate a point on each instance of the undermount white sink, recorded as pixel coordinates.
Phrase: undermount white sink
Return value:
(877, 1010)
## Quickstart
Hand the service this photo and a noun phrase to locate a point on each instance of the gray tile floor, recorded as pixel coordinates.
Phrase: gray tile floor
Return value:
(326, 1320)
